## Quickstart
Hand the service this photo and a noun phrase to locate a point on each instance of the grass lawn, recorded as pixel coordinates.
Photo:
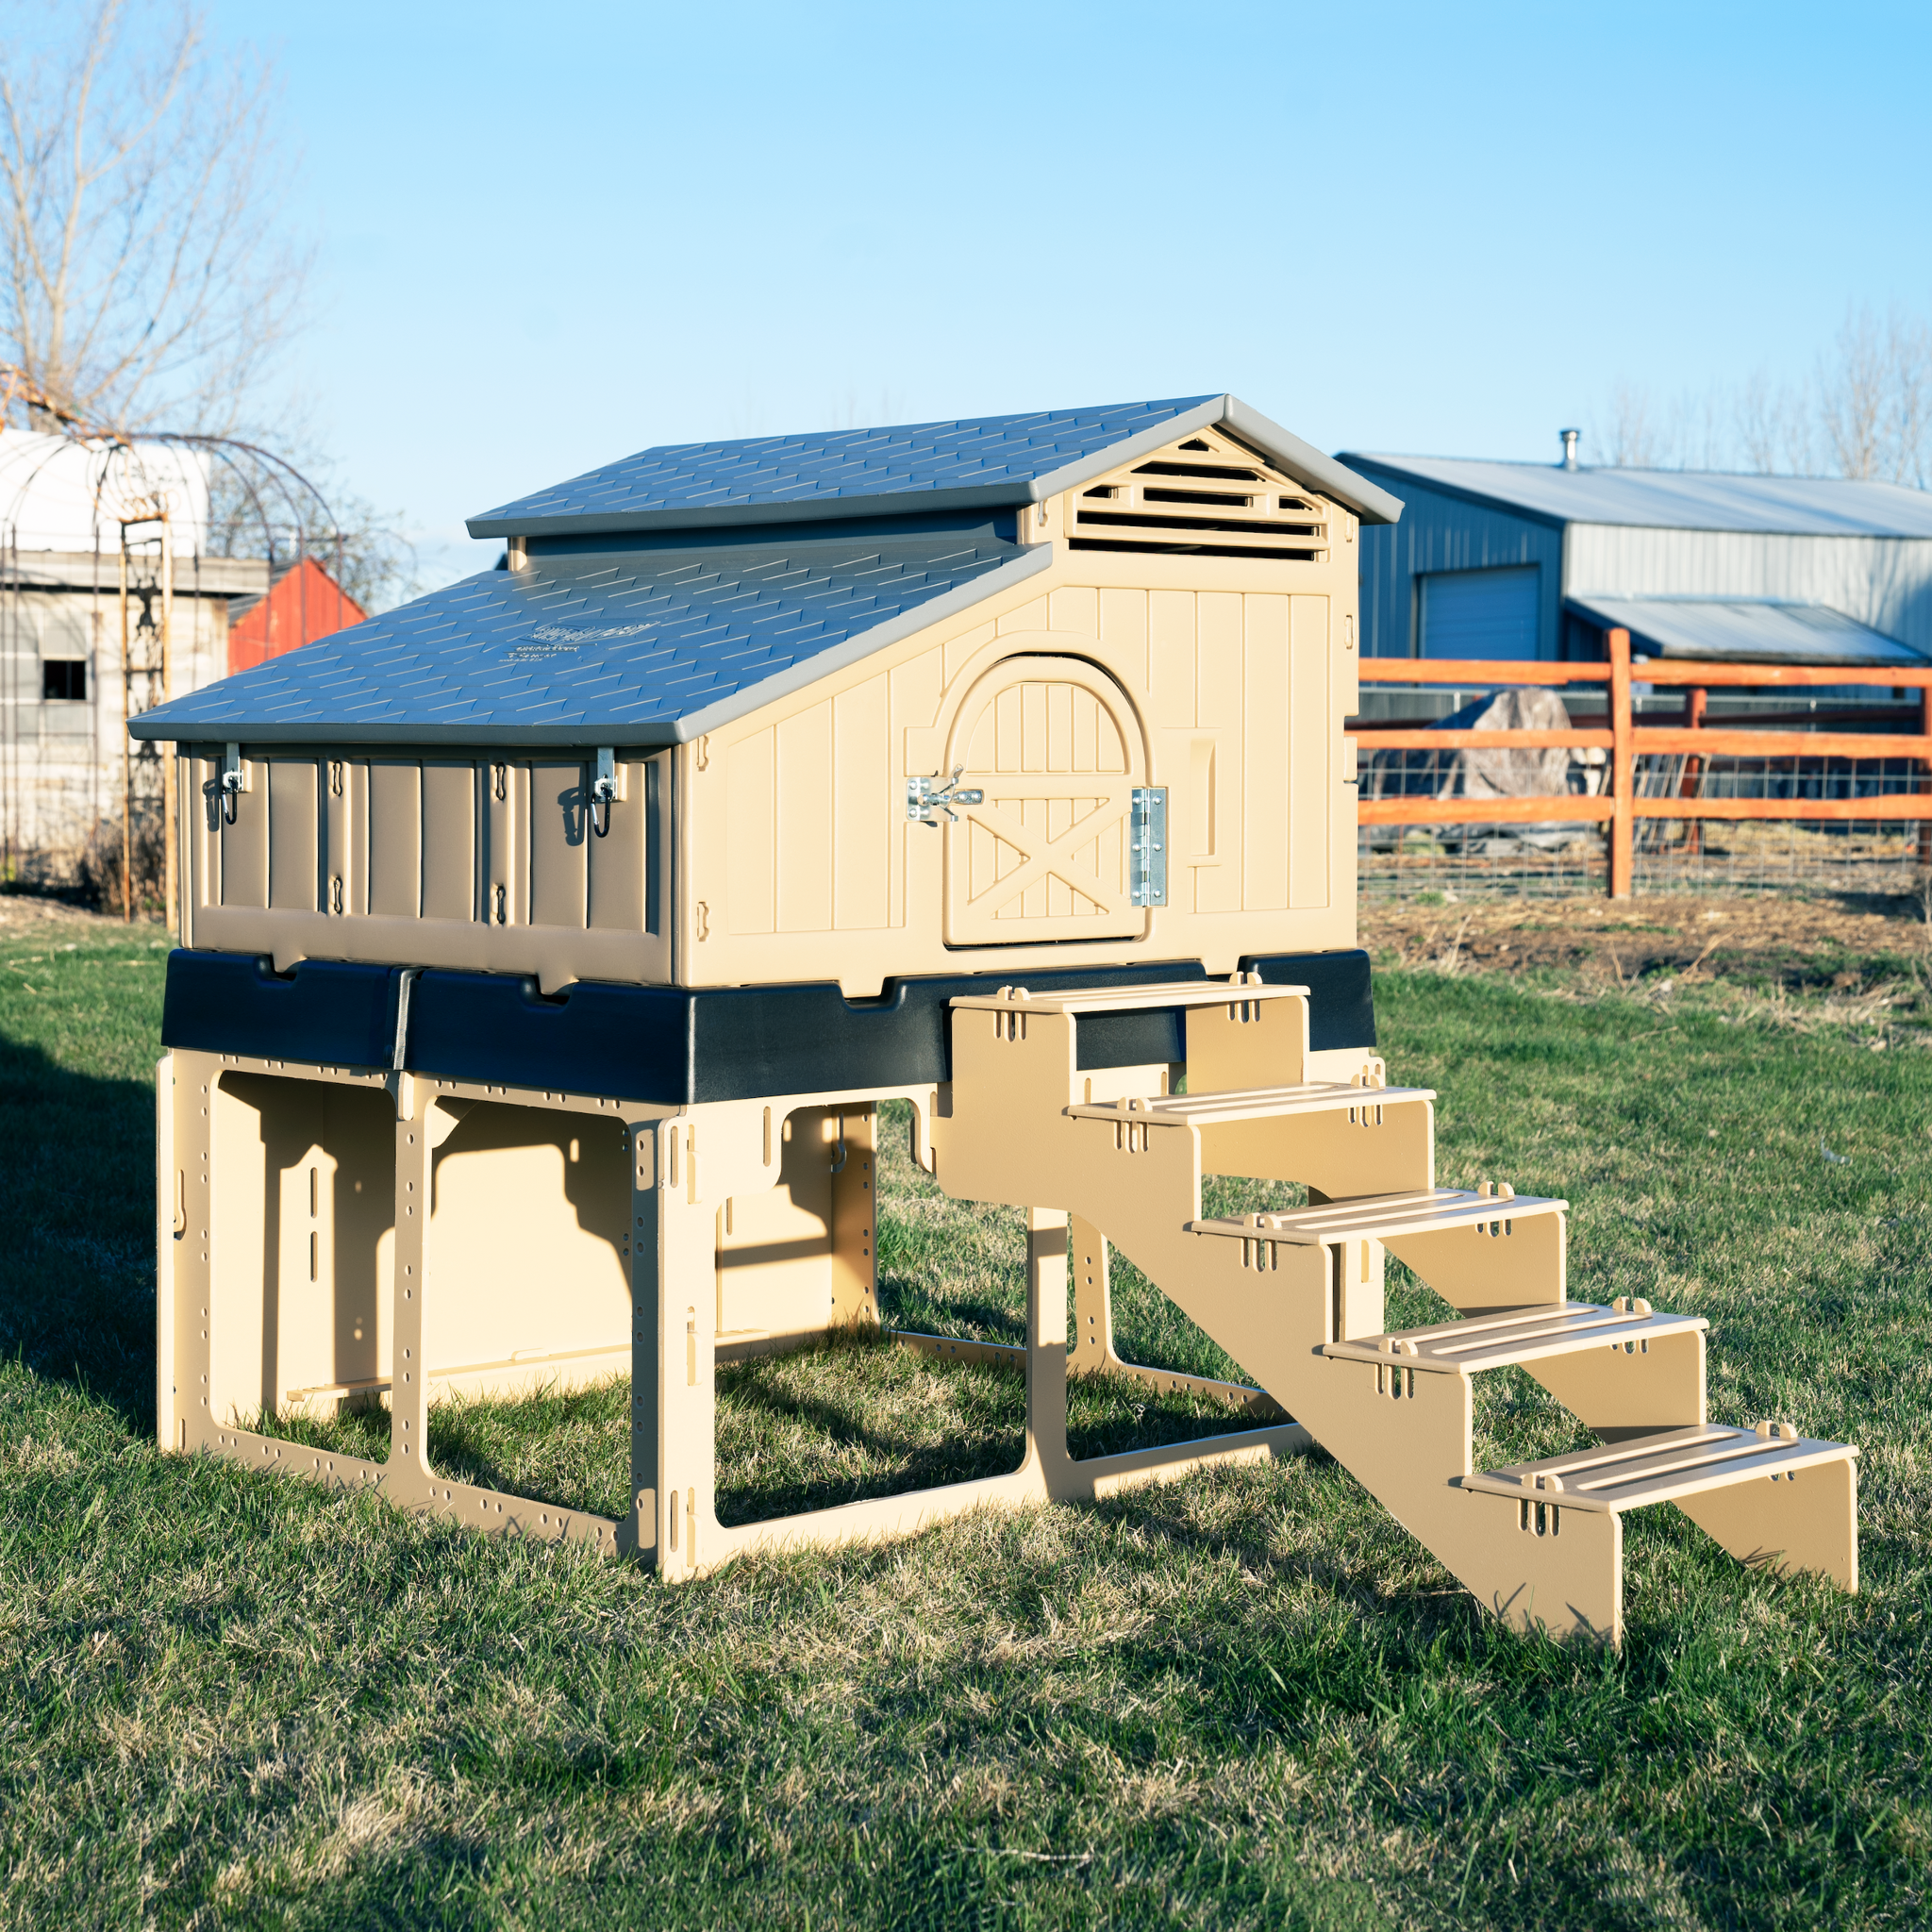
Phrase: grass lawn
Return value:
(1243, 1699)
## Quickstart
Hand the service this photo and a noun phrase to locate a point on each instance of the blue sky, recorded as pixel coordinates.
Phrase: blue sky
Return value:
(551, 236)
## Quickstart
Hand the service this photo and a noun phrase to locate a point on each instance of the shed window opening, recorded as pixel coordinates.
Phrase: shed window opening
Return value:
(1221, 472)
(63, 680)
(1142, 519)
(1168, 505)
(1225, 496)
(1152, 549)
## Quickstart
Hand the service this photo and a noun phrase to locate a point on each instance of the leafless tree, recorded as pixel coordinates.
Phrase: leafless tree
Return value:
(143, 277)
(264, 504)
(1631, 435)
(1851, 390)
(1698, 437)
(1865, 413)
(1772, 424)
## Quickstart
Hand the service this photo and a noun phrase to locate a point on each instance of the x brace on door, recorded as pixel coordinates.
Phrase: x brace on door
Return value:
(1052, 860)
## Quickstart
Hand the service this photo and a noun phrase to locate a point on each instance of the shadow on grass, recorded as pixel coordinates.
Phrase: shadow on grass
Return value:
(76, 1230)
(907, 1304)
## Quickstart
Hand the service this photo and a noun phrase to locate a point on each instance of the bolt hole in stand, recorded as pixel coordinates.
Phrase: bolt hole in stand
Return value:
(528, 1073)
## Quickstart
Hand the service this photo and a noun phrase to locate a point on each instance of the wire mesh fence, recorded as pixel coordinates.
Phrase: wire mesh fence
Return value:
(1532, 860)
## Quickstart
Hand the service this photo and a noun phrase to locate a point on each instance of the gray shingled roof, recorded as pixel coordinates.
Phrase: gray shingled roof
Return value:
(621, 649)
(973, 464)
(1676, 499)
(683, 631)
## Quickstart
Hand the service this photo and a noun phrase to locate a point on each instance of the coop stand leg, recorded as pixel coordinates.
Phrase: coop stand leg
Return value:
(1052, 1244)
(410, 1478)
(408, 1440)
(1093, 1351)
(673, 1423)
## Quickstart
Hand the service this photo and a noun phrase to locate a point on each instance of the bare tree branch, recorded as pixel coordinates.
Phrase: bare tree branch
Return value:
(1631, 434)
(1851, 394)
(143, 275)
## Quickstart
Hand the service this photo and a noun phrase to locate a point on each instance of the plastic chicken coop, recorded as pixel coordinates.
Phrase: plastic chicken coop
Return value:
(550, 944)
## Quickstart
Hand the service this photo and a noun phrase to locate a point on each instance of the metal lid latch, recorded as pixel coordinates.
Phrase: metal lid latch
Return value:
(604, 790)
(234, 782)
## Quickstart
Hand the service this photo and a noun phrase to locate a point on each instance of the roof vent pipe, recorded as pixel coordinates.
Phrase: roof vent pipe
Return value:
(1570, 437)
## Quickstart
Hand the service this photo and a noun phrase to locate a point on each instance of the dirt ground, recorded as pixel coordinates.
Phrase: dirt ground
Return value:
(22, 916)
(1820, 940)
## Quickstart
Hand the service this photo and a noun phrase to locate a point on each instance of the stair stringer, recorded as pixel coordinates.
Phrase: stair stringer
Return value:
(1613, 1394)
(1007, 1135)
(1266, 1303)
(1805, 1522)
(1329, 1153)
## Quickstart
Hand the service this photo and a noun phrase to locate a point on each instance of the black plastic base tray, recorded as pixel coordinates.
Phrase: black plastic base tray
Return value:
(672, 1045)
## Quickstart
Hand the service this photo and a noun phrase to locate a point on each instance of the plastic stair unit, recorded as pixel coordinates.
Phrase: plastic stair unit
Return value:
(1296, 1297)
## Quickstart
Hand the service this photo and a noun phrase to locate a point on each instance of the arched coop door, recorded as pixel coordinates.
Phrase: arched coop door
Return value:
(1057, 751)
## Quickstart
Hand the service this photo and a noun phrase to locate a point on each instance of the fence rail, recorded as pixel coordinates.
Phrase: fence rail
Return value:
(1620, 807)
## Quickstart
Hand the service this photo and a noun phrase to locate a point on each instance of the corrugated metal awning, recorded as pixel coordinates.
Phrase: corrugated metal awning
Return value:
(1745, 630)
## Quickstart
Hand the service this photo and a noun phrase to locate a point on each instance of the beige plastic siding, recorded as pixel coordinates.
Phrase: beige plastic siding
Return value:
(1231, 680)
(470, 861)
(301, 1281)
(786, 853)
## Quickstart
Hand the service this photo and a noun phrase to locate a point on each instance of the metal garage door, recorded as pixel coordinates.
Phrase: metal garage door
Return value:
(1481, 613)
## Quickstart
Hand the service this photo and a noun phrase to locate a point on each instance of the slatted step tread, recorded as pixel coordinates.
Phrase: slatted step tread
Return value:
(1516, 1335)
(1658, 1469)
(1376, 1217)
(1126, 999)
(1253, 1104)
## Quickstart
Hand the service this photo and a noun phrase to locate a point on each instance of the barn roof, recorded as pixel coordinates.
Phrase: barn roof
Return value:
(1673, 499)
(605, 646)
(977, 463)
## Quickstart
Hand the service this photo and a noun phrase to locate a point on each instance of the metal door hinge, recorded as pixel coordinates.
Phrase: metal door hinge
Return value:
(1147, 847)
(927, 798)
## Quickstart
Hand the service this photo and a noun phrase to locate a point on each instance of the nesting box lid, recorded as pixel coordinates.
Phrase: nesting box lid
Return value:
(635, 647)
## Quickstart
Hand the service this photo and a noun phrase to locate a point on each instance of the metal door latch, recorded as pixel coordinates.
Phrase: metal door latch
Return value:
(603, 790)
(926, 798)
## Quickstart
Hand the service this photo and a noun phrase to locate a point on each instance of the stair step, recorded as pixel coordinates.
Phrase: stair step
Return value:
(1661, 1468)
(1517, 1335)
(1127, 999)
(1256, 1103)
(1376, 1216)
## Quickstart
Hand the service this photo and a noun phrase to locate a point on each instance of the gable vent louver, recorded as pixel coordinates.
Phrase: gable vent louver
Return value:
(1202, 498)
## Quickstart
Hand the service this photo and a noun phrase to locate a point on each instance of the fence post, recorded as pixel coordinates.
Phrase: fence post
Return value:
(1925, 851)
(1696, 698)
(1622, 765)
